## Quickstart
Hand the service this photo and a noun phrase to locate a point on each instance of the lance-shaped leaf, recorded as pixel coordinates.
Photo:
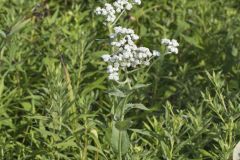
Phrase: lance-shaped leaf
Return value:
(18, 26)
(117, 93)
(119, 140)
(138, 86)
(3, 34)
(140, 106)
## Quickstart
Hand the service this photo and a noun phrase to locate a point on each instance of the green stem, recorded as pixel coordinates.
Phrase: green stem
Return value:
(120, 146)
(128, 81)
(120, 134)
(118, 17)
(110, 29)
(85, 151)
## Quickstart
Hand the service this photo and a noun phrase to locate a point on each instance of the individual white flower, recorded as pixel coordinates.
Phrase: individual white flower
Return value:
(116, 65)
(166, 41)
(172, 49)
(113, 43)
(156, 53)
(106, 57)
(113, 76)
(129, 6)
(98, 11)
(137, 2)
(146, 63)
(118, 44)
(115, 69)
(110, 69)
(111, 18)
(112, 36)
(174, 43)
(130, 31)
(104, 13)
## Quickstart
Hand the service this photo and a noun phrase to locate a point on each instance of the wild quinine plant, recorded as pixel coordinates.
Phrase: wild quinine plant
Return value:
(125, 58)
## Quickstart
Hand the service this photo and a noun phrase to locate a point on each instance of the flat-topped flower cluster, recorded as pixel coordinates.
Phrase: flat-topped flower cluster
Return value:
(126, 54)
(109, 11)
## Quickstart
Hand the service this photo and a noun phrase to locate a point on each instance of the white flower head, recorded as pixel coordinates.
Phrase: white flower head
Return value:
(171, 45)
(111, 11)
(127, 54)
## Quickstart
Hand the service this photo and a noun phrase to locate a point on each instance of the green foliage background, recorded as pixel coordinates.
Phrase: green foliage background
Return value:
(53, 101)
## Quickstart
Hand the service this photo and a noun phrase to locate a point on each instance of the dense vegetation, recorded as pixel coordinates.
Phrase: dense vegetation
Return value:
(53, 84)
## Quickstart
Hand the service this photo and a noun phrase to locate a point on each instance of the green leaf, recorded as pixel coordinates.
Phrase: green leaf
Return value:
(123, 125)
(128, 107)
(170, 91)
(38, 117)
(234, 51)
(98, 54)
(119, 138)
(70, 142)
(183, 25)
(6, 122)
(3, 34)
(143, 132)
(116, 92)
(165, 148)
(27, 106)
(46, 133)
(137, 86)
(192, 41)
(18, 26)
(54, 17)
(1, 86)
(94, 85)
(206, 153)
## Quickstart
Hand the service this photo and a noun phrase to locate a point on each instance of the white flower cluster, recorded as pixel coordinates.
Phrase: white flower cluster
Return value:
(127, 54)
(171, 45)
(109, 10)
